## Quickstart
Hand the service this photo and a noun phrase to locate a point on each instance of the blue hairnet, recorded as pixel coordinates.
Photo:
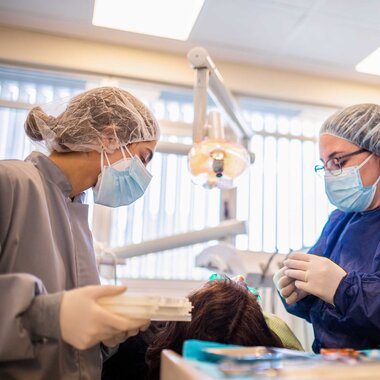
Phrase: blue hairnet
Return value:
(358, 124)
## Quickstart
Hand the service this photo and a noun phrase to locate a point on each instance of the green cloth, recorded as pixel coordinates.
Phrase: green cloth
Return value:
(283, 331)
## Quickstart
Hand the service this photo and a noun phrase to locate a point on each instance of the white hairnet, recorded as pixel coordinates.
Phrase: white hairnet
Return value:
(102, 117)
(359, 124)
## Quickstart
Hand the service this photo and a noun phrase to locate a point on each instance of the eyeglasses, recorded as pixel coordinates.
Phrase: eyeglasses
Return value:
(217, 276)
(335, 164)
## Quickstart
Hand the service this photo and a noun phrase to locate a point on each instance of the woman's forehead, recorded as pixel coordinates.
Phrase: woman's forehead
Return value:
(144, 145)
(329, 144)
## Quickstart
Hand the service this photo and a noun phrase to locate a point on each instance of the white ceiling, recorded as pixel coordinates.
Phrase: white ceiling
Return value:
(324, 37)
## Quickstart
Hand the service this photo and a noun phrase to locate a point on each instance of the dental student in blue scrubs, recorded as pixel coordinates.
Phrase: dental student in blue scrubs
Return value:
(336, 285)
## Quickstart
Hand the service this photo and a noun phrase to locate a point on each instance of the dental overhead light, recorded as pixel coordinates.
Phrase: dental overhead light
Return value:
(214, 161)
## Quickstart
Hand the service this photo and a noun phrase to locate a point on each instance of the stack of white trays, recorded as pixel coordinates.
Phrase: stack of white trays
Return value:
(149, 306)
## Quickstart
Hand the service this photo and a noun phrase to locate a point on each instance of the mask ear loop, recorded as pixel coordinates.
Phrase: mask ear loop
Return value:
(101, 156)
(365, 161)
(128, 151)
(102, 159)
(121, 146)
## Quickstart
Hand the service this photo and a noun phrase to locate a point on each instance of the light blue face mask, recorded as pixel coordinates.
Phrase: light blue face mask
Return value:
(121, 183)
(346, 190)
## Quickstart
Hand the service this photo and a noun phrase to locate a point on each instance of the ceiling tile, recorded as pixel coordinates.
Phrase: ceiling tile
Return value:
(245, 24)
(304, 4)
(72, 10)
(363, 12)
(328, 39)
(317, 36)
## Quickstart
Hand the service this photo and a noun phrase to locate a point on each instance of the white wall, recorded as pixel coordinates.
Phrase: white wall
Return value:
(44, 50)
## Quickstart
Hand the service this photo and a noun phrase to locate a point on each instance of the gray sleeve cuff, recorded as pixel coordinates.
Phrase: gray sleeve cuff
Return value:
(41, 319)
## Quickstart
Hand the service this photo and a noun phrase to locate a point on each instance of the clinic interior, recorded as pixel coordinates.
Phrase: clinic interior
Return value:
(285, 66)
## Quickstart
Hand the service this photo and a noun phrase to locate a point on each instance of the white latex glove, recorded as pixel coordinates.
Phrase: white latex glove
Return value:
(314, 274)
(287, 288)
(84, 323)
(122, 337)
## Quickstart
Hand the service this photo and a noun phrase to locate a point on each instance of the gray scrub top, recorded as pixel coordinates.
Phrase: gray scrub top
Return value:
(45, 248)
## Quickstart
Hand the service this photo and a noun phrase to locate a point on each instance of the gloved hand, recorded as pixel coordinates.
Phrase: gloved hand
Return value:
(287, 288)
(122, 337)
(314, 274)
(84, 323)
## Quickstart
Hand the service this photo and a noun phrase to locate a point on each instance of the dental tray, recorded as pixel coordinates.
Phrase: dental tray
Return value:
(253, 354)
(148, 306)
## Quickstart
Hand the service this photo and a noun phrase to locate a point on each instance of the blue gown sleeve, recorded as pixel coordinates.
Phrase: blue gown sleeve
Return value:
(357, 303)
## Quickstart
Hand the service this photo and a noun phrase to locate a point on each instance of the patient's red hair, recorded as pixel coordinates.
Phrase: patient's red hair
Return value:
(224, 311)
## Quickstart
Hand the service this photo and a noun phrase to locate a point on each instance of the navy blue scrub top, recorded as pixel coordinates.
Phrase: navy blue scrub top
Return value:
(351, 240)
